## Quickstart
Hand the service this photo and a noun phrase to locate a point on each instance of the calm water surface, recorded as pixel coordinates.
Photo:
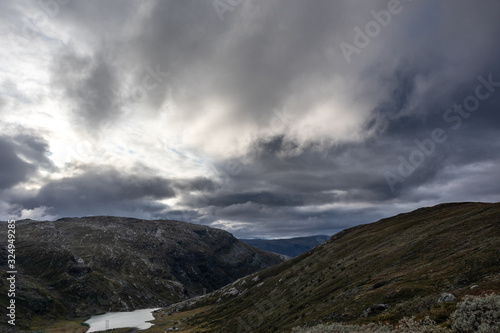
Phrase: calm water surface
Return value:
(138, 319)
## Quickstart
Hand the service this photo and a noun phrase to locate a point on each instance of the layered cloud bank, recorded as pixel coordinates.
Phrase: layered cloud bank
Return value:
(265, 118)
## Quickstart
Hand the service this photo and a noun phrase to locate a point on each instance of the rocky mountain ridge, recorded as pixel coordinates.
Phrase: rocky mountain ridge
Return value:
(76, 267)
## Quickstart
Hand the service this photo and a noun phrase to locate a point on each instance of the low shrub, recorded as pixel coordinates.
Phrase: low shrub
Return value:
(477, 314)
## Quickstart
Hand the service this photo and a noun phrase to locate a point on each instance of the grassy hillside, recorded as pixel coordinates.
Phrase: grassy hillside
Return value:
(404, 262)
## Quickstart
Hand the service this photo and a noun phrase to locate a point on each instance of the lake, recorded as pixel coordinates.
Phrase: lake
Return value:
(136, 319)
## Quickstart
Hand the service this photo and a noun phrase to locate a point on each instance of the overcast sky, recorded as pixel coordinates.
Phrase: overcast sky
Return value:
(266, 118)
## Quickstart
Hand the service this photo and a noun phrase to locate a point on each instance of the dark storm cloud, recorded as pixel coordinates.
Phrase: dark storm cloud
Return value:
(13, 169)
(263, 56)
(266, 198)
(240, 58)
(299, 190)
(101, 190)
(34, 149)
(316, 175)
(199, 184)
(354, 174)
(22, 156)
(264, 52)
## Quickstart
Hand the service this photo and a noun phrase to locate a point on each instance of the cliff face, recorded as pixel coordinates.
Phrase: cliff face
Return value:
(76, 267)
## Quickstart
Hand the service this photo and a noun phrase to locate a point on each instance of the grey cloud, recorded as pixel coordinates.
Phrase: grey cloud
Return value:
(265, 198)
(186, 40)
(101, 17)
(268, 55)
(287, 48)
(10, 89)
(101, 190)
(259, 221)
(476, 180)
(199, 184)
(91, 83)
(34, 149)
(22, 156)
(10, 12)
(187, 215)
(13, 169)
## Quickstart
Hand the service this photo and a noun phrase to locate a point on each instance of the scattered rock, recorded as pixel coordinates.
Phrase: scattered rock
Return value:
(366, 313)
(377, 308)
(446, 298)
(232, 292)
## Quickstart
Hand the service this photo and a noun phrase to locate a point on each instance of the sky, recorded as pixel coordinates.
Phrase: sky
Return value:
(266, 118)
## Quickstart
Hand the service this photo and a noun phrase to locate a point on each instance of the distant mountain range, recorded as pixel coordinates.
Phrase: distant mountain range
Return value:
(290, 247)
(77, 267)
(402, 266)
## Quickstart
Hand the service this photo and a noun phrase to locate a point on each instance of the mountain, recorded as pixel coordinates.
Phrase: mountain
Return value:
(383, 271)
(291, 247)
(77, 267)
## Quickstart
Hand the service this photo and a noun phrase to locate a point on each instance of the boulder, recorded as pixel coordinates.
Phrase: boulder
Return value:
(446, 298)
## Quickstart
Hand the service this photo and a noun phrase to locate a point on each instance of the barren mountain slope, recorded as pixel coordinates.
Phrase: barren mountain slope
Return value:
(75, 267)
